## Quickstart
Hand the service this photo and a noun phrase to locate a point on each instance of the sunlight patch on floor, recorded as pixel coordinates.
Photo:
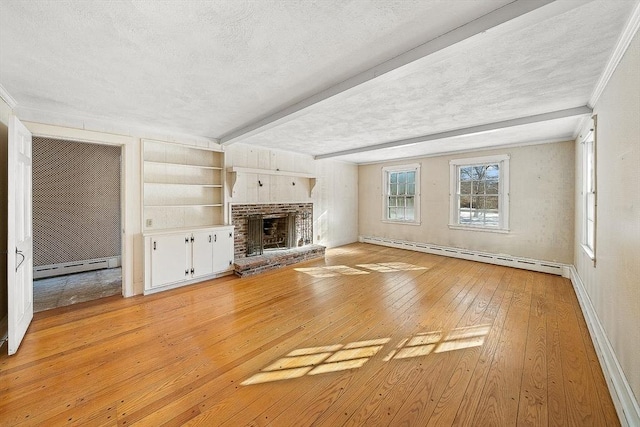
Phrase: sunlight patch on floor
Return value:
(331, 271)
(339, 357)
(338, 270)
(388, 267)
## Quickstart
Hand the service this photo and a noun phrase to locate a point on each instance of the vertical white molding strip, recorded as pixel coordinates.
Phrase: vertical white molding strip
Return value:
(619, 388)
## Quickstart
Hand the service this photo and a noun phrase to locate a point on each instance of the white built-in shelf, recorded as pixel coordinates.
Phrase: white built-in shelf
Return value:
(149, 162)
(191, 205)
(235, 170)
(183, 186)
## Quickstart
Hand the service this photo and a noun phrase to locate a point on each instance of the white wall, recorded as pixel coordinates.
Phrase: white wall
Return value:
(335, 195)
(541, 204)
(613, 283)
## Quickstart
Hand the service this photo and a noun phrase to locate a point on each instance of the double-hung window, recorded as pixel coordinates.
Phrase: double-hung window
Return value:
(589, 192)
(479, 193)
(401, 195)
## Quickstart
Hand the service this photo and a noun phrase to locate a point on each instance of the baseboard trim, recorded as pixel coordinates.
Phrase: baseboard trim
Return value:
(619, 388)
(44, 271)
(486, 257)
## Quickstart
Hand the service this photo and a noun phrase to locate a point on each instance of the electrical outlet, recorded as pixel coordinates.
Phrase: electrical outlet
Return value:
(149, 222)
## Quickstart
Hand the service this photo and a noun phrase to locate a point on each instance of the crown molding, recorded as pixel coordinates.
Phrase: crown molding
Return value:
(102, 125)
(622, 45)
(12, 103)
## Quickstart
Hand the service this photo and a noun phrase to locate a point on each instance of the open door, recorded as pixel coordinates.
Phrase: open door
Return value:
(19, 234)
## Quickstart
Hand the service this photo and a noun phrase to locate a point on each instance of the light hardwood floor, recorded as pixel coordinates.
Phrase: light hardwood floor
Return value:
(367, 336)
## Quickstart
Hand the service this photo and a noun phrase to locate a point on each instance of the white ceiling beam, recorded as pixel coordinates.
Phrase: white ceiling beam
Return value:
(560, 114)
(532, 8)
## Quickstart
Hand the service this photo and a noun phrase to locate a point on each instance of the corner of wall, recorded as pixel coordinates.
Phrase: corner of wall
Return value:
(619, 388)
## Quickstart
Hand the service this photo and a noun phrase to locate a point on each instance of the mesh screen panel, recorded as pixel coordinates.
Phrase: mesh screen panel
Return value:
(76, 201)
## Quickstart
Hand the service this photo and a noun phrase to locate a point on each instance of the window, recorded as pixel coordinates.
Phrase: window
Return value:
(480, 193)
(401, 196)
(589, 191)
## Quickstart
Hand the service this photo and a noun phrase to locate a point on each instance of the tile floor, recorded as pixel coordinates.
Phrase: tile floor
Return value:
(61, 291)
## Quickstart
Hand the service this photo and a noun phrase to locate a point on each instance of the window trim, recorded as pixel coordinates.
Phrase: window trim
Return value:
(503, 192)
(412, 167)
(589, 139)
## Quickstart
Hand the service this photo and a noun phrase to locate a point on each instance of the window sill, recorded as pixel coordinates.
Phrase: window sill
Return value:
(389, 221)
(484, 229)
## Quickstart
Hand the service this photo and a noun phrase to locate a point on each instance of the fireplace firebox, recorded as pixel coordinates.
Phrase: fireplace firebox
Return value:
(267, 228)
(268, 232)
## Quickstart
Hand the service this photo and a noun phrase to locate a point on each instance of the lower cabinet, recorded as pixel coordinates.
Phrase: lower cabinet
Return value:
(180, 257)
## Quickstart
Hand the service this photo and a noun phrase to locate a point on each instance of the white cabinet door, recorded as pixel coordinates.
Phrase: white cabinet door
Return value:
(222, 250)
(202, 253)
(169, 261)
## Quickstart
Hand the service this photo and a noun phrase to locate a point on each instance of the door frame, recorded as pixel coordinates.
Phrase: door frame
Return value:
(129, 205)
(120, 188)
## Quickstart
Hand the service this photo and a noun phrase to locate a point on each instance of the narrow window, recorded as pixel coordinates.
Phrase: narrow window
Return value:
(401, 196)
(479, 193)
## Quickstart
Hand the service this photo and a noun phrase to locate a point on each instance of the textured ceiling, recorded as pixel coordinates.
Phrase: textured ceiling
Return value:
(207, 68)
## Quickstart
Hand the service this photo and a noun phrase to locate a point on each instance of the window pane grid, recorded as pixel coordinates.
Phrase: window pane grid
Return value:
(401, 193)
(478, 200)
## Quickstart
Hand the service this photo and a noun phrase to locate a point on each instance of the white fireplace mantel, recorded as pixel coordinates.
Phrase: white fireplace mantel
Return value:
(235, 170)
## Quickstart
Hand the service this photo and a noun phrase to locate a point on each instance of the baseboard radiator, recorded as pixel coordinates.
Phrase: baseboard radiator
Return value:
(43, 271)
(489, 258)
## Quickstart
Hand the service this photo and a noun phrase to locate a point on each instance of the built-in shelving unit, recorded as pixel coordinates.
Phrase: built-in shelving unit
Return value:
(182, 186)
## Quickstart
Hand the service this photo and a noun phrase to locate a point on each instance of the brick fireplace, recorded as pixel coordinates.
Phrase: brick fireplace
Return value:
(296, 246)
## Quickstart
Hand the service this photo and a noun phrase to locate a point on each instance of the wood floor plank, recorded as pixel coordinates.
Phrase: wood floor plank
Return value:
(532, 405)
(582, 405)
(414, 409)
(447, 408)
(431, 320)
(499, 402)
(556, 397)
(181, 357)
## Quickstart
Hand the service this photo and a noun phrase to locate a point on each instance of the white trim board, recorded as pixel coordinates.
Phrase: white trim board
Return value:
(486, 257)
(629, 31)
(626, 406)
(11, 102)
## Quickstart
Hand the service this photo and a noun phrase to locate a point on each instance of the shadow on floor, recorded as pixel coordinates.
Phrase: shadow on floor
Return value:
(61, 291)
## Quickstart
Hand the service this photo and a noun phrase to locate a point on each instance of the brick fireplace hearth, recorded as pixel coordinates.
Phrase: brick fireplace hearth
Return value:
(300, 249)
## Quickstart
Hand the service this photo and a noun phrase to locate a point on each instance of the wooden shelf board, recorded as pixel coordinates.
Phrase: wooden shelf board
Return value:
(151, 162)
(214, 205)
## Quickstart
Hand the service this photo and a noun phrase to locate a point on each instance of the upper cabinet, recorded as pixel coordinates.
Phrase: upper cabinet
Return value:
(183, 186)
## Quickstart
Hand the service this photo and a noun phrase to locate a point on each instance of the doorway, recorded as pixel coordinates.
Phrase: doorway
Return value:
(76, 222)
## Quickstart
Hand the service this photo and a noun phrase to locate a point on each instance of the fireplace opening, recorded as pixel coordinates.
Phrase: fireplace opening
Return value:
(271, 232)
